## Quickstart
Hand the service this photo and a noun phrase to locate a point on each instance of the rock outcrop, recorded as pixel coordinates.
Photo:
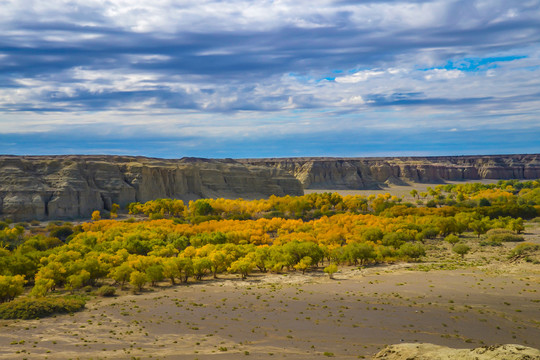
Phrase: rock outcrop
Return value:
(436, 352)
(372, 173)
(59, 187)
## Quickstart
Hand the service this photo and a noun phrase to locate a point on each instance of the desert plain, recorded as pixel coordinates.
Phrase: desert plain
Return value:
(483, 299)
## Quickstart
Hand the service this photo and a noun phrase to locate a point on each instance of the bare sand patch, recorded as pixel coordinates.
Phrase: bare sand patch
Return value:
(397, 190)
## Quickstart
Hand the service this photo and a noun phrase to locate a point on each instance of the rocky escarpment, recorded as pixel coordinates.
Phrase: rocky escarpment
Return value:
(372, 173)
(55, 187)
(436, 352)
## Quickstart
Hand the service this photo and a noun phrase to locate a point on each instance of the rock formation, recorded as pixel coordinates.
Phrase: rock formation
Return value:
(436, 352)
(56, 187)
(372, 173)
(59, 187)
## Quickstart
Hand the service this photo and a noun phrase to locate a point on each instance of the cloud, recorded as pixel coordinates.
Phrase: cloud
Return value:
(242, 63)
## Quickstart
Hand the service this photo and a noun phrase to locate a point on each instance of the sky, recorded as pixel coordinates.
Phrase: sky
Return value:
(251, 79)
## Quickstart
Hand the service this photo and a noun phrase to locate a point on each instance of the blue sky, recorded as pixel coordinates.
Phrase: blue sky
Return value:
(168, 78)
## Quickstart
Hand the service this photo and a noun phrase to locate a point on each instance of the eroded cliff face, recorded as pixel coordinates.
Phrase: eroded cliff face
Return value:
(372, 173)
(56, 187)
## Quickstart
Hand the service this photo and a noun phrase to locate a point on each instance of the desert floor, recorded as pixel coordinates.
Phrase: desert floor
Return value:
(296, 316)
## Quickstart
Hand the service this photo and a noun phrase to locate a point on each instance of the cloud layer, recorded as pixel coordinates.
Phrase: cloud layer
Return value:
(297, 75)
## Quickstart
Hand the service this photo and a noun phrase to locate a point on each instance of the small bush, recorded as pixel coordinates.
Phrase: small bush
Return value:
(330, 270)
(524, 249)
(490, 242)
(503, 235)
(32, 308)
(106, 290)
(452, 239)
(461, 249)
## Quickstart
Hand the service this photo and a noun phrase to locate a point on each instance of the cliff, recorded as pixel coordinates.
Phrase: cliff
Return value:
(372, 173)
(56, 187)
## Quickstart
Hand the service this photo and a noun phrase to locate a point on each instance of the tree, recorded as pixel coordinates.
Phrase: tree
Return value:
(77, 281)
(96, 215)
(11, 287)
(201, 266)
(479, 227)
(359, 251)
(516, 225)
(218, 259)
(330, 270)
(461, 249)
(114, 211)
(138, 279)
(243, 266)
(185, 266)
(414, 193)
(41, 287)
(121, 273)
(154, 273)
(171, 269)
(304, 264)
(452, 239)
(412, 251)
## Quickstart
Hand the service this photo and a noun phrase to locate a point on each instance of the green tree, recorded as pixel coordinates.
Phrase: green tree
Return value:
(201, 266)
(479, 227)
(138, 279)
(121, 274)
(154, 274)
(304, 264)
(516, 225)
(461, 249)
(452, 239)
(244, 266)
(185, 265)
(331, 270)
(218, 260)
(77, 281)
(412, 251)
(171, 269)
(11, 287)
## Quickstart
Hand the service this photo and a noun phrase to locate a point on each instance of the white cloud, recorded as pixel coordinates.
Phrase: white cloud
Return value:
(359, 76)
(442, 74)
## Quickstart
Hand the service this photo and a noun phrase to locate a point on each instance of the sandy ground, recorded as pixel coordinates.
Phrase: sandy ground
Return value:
(398, 190)
(293, 316)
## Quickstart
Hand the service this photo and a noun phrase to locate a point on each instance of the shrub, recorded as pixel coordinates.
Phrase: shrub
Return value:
(412, 251)
(452, 239)
(330, 270)
(461, 249)
(106, 290)
(523, 250)
(490, 242)
(503, 235)
(32, 308)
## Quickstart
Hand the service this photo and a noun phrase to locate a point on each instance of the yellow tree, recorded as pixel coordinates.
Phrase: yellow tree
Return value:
(96, 215)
